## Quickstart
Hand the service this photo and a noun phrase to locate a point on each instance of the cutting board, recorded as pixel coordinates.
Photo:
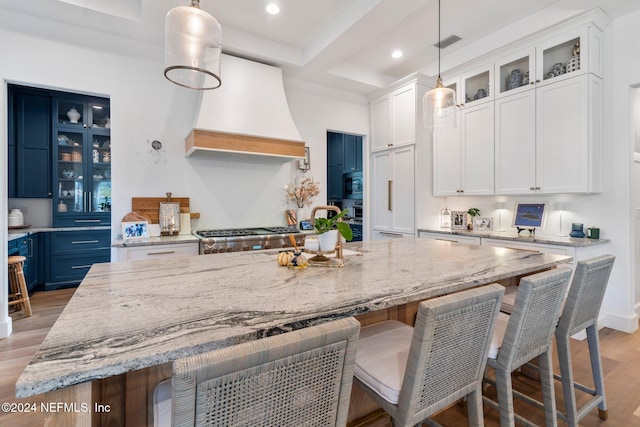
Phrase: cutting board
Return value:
(150, 206)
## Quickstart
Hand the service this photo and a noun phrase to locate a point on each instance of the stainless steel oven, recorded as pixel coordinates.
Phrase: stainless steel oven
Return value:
(353, 185)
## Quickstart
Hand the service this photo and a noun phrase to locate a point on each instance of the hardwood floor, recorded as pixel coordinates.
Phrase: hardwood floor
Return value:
(621, 353)
(17, 350)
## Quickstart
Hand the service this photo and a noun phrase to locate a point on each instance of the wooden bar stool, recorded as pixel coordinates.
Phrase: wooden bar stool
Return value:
(19, 296)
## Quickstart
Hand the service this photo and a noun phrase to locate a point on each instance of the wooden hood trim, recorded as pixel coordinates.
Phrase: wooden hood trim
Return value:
(204, 140)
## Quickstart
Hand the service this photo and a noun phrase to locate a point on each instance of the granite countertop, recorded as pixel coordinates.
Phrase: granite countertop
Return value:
(17, 233)
(154, 241)
(130, 315)
(523, 237)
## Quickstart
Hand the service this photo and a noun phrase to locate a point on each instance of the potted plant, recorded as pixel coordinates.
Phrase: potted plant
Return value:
(327, 230)
(473, 212)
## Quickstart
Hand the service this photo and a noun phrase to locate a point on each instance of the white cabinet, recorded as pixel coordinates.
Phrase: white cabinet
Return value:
(463, 158)
(453, 238)
(131, 253)
(396, 117)
(562, 56)
(475, 86)
(392, 190)
(548, 139)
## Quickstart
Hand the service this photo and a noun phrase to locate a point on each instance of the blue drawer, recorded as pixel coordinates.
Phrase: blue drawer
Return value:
(82, 220)
(79, 241)
(72, 269)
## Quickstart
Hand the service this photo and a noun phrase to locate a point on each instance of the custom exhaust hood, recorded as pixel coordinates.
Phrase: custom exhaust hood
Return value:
(247, 114)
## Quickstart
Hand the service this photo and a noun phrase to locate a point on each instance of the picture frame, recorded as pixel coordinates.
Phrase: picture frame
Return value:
(458, 220)
(135, 230)
(169, 215)
(529, 216)
(482, 223)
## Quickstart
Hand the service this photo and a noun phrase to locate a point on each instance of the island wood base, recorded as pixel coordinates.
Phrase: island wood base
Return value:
(127, 399)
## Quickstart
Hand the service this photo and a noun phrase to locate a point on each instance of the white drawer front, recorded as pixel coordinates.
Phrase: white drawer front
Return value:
(157, 251)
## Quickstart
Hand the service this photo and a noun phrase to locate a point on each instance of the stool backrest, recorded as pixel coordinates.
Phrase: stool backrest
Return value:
(533, 320)
(448, 350)
(585, 296)
(298, 378)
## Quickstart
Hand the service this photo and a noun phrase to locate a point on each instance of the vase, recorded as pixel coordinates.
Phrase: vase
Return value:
(328, 240)
(303, 213)
(73, 115)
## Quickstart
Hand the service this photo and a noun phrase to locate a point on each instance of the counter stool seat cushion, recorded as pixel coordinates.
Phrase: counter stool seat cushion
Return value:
(382, 357)
(498, 335)
(509, 299)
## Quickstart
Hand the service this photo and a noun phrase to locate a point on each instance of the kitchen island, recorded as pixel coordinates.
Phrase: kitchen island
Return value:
(128, 321)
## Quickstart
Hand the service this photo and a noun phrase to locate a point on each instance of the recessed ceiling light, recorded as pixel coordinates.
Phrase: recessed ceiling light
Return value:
(273, 9)
(396, 54)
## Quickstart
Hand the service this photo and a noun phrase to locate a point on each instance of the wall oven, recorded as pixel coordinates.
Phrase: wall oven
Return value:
(353, 185)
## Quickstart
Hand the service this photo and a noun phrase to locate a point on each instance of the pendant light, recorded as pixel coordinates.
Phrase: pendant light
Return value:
(192, 47)
(439, 103)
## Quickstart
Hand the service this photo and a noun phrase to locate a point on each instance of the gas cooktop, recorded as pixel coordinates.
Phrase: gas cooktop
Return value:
(238, 232)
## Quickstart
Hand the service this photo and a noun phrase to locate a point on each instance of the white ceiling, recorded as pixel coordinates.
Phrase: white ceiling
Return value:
(342, 43)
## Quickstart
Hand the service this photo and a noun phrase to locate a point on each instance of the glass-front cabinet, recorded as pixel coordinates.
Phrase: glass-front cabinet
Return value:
(82, 163)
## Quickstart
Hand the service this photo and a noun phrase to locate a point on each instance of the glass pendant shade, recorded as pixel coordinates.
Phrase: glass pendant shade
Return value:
(192, 48)
(439, 108)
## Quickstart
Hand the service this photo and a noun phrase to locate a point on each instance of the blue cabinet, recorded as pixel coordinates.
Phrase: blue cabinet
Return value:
(352, 153)
(344, 155)
(28, 247)
(72, 253)
(29, 157)
(357, 232)
(81, 162)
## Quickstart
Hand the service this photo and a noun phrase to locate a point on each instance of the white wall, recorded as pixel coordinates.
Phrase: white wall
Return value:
(227, 190)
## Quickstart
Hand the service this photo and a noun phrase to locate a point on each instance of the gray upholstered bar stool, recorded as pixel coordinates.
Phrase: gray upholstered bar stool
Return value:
(414, 372)
(298, 378)
(18, 293)
(524, 335)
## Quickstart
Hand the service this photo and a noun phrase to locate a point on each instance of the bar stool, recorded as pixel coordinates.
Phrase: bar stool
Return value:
(412, 373)
(298, 378)
(524, 335)
(19, 296)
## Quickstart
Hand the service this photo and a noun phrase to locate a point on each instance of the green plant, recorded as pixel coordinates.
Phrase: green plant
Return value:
(473, 212)
(326, 224)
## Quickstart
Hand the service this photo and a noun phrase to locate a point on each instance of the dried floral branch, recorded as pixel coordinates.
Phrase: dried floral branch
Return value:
(302, 191)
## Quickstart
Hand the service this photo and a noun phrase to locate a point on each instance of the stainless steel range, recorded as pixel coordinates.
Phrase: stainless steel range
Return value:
(247, 239)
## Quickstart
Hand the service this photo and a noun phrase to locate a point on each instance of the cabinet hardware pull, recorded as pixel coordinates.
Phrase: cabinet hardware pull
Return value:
(537, 188)
(80, 242)
(77, 267)
(531, 188)
(87, 220)
(446, 240)
(30, 247)
(386, 233)
(161, 253)
(532, 82)
(389, 187)
(537, 81)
